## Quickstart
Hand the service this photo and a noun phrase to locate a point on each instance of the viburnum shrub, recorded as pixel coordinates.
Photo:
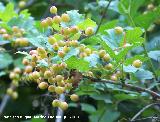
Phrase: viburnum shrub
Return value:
(71, 55)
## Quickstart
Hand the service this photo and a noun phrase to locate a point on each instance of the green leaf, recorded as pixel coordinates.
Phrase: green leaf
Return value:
(133, 36)
(144, 74)
(147, 19)
(42, 63)
(93, 59)
(58, 37)
(5, 60)
(76, 63)
(155, 55)
(72, 52)
(18, 63)
(87, 23)
(2, 73)
(121, 97)
(38, 119)
(8, 13)
(88, 108)
(104, 97)
(130, 69)
(93, 40)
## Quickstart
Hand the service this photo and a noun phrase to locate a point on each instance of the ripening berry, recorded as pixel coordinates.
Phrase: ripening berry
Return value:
(55, 103)
(44, 23)
(65, 17)
(47, 74)
(25, 61)
(43, 85)
(53, 10)
(89, 31)
(49, 21)
(88, 51)
(102, 53)
(35, 75)
(63, 65)
(17, 70)
(61, 83)
(33, 52)
(66, 49)
(52, 40)
(15, 29)
(28, 69)
(61, 54)
(65, 31)
(74, 43)
(137, 63)
(34, 57)
(14, 95)
(82, 55)
(63, 105)
(109, 66)
(51, 88)
(118, 30)
(9, 91)
(3, 31)
(6, 36)
(57, 19)
(55, 46)
(59, 90)
(114, 78)
(106, 57)
(61, 43)
(74, 29)
(59, 78)
(23, 42)
(68, 86)
(22, 4)
(118, 73)
(74, 97)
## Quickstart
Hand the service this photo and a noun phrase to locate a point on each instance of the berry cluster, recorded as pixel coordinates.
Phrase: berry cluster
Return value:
(15, 36)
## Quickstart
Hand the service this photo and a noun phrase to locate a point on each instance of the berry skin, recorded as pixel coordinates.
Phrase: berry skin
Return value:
(63, 105)
(28, 69)
(66, 49)
(51, 88)
(59, 90)
(102, 53)
(43, 85)
(35, 75)
(53, 10)
(59, 78)
(55, 46)
(15, 29)
(13, 75)
(109, 66)
(88, 51)
(17, 70)
(106, 57)
(74, 97)
(89, 31)
(118, 30)
(47, 74)
(14, 95)
(55, 103)
(51, 80)
(57, 19)
(61, 54)
(44, 23)
(22, 4)
(74, 29)
(52, 40)
(41, 50)
(65, 18)
(114, 78)
(9, 91)
(137, 63)
(25, 61)
(49, 21)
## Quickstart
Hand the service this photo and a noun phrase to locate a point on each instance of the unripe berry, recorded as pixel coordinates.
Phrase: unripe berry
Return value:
(118, 30)
(114, 78)
(15, 29)
(61, 54)
(137, 63)
(43, 85)
(63, 65)
(59, 90)
(55, 46)
(17, 70)
(74, 43)
(102, 53)
(25, 61)
(13, 75)
(28, 69)
(63, 105)
(52, 40)
(88, 51)
(74, 29)
(41, 50)
(22, 4)
(49, 21)
(57, 19)
(51, 88)
(61, 83)
(66, 49)
(59, 78)
(89, 31)
(82, 55)
(55, 103)
(51, 80)
(14, 95)
(9, 91)
(109, 66)
(23, 42)
(150, 7)
(82, 47)
(65, 31)
(106, 57)
(61, 43)
(53, 10)
(65, 18)
(34, 57)
(47, 74)
(74, 97)
(35, 75)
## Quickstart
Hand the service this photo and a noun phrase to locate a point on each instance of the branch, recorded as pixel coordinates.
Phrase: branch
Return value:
(142, 110)
(103, 15)
(137, 88)
(3, 103)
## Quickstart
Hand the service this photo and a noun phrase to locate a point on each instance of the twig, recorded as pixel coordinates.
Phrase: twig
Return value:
(103, 15)
(3, 103)
(60, 113)
(142, 110)
(137, 88)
